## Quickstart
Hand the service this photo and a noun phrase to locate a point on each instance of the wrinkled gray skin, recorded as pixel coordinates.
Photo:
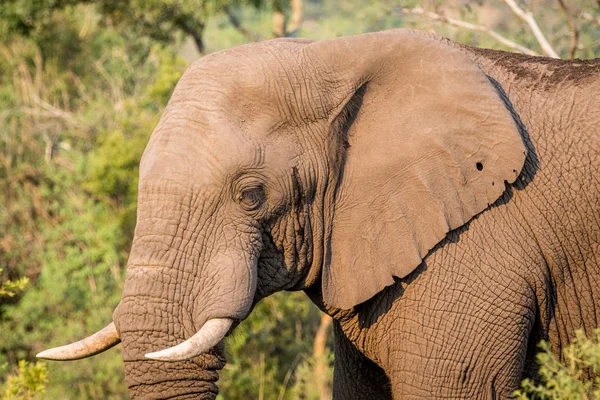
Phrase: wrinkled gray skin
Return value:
(237, 189)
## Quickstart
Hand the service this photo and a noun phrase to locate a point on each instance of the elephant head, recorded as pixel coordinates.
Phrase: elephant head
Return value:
(288, 164)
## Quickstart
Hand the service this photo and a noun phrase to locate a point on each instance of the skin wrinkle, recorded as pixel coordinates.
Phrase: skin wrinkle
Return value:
(291, 245)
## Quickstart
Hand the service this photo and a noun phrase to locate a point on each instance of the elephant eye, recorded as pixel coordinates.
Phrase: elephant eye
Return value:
(251, 198)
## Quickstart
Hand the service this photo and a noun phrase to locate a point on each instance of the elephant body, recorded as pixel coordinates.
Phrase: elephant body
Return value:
(439, 201)
(466, 323)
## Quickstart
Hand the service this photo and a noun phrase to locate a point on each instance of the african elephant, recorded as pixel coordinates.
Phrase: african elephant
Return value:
(439, 201)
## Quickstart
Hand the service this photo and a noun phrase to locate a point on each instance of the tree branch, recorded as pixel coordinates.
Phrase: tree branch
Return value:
(198, 40)
(589, 17)
(288, 376)
(279, 22)
(237, 24)
(572, 26)
(527, 16)
(467, 25)
(296, 18)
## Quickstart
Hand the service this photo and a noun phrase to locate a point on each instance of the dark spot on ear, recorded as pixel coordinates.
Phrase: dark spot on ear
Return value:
(492, 183)
(479, 166)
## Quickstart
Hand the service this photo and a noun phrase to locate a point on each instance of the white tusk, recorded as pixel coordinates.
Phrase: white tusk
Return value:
(211, 333)
(100, 341)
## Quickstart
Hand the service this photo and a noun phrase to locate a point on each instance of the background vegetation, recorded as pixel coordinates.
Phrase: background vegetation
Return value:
(82, 85)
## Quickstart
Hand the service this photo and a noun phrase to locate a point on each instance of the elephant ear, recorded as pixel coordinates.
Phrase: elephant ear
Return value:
(431, 146)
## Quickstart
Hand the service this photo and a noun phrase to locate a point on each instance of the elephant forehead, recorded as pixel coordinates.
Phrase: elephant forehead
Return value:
(208, 146)
(265, 80)
(242, 96)
(185, 154)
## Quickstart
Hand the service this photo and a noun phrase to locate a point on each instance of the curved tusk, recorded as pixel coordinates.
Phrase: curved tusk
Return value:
(211, 333)
(100, 341)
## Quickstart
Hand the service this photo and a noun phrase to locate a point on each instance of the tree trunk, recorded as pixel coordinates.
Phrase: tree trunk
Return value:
(319, 349)
(296, 18)
(279, 21)
(280, 26)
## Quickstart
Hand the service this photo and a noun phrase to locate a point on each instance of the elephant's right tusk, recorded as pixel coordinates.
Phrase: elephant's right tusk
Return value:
(211, 333)
(100, 341)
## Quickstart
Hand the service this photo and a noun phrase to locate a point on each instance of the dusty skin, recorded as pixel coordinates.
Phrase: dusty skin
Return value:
(440, 202)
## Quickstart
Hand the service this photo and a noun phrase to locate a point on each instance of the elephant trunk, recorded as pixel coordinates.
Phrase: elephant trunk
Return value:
(183, 292)
(151, 317)
(147, 324)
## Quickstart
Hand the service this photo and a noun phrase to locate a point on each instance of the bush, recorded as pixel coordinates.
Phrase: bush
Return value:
(575, 377)
(29, 382)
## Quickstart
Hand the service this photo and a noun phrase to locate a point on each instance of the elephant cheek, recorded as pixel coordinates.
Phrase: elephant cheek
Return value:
(229, 291)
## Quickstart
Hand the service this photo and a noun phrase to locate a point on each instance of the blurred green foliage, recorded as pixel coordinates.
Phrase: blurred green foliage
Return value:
(73, 129)
(82, 85)
(11, 288)
(161, 20)
(28, 383)
(575, 376)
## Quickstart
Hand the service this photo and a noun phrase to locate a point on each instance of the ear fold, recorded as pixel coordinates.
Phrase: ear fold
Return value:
(431, 146)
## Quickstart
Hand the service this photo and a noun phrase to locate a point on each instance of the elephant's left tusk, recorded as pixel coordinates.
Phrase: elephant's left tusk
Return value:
(100, 341)
(211, 333)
